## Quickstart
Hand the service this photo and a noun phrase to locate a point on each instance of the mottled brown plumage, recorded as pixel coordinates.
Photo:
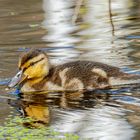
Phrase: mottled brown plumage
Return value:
(77, 75)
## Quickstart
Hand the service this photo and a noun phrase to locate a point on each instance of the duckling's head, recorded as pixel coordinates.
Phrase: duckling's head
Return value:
(33, 64)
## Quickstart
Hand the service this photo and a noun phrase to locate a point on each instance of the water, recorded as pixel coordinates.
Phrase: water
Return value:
(91, 30)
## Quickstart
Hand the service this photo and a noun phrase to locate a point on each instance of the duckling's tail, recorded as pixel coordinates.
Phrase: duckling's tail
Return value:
(125, 79)
(130, 76)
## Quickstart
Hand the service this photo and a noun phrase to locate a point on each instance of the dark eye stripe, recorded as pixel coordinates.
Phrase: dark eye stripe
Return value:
(33, 63)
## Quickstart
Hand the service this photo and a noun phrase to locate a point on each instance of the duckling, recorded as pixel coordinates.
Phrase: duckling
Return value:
(37, 74)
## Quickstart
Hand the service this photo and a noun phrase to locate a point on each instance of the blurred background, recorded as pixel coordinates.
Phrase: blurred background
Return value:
(99, 30)
(106, 31)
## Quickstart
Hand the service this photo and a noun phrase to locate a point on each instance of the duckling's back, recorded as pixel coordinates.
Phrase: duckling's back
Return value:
(85, 75)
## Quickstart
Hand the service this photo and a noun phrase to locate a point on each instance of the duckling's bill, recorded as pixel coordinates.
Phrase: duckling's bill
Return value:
(17, 79)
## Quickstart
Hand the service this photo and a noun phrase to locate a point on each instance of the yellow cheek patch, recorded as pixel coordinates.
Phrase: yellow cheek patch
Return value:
(35, 71)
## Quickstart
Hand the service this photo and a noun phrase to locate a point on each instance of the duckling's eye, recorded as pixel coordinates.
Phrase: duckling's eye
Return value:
(32, 63)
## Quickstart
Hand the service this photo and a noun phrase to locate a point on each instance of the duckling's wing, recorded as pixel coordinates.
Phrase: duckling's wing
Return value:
(113, 74)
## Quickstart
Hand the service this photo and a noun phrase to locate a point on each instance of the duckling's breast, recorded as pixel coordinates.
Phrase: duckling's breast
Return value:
(26, 87)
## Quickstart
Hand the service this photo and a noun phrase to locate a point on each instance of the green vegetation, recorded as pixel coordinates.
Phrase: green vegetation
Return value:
(15, 130)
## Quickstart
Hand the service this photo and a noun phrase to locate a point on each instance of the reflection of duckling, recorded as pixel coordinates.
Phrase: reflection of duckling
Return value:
(36, 73)
(33, 107)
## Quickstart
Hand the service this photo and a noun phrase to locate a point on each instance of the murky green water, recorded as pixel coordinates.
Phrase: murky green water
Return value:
(70, 30)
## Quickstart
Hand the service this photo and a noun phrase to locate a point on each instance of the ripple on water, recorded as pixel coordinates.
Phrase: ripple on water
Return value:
(94, 35)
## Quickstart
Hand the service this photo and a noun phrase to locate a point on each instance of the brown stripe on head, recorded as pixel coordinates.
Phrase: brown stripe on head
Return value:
(29, 55)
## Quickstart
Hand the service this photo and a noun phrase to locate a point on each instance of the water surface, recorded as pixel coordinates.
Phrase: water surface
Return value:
(105, 31)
